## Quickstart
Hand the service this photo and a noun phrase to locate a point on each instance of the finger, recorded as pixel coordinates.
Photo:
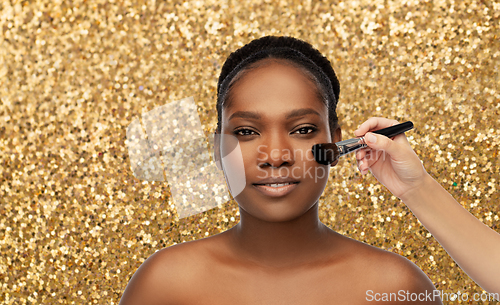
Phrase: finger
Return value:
(362, 166)
(360, 163)
(362, 158)
(366, 161)
(370, 159)
(360, 154)
(374, 123)
(396, 149)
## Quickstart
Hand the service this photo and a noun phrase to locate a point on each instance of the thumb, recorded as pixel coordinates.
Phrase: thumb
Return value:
(383, 143)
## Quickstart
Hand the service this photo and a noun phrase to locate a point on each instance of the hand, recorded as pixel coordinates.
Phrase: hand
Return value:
(392, 161)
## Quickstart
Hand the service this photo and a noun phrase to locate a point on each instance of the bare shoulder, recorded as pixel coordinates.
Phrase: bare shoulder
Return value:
(400, 272)
(164, 277)
(389, 274)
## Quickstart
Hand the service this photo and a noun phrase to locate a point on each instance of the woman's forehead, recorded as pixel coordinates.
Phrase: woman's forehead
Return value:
(274, 87)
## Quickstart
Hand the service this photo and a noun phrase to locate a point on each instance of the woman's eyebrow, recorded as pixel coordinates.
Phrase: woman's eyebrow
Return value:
(256, 116)
(301, 112)
(245, 115)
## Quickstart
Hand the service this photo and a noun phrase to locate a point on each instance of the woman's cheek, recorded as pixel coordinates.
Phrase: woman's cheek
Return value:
(233, 163)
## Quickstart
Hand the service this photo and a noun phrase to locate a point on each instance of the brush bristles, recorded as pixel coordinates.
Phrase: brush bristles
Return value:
(325, 153)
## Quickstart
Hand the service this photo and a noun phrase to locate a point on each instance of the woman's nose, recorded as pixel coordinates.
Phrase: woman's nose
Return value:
(276, 152)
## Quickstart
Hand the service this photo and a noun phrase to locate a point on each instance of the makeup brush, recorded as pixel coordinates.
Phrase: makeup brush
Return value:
(327, 153)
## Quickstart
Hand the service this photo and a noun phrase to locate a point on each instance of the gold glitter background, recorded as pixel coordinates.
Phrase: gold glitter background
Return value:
(75, 224)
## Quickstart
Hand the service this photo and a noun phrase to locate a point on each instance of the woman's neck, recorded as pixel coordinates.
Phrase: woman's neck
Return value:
(285, 244)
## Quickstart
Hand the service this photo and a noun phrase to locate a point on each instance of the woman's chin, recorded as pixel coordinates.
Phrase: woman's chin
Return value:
(280, 204)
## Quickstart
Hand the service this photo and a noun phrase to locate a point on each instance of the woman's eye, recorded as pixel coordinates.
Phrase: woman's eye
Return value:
(305, 130)
(244, 132)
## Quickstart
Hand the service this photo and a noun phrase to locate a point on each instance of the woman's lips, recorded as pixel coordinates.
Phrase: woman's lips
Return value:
(276, 189)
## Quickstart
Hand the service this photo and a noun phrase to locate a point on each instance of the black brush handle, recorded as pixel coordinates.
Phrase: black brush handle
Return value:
(395, 130)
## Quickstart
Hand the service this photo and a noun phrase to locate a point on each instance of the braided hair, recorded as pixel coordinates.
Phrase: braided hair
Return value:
(288, 50)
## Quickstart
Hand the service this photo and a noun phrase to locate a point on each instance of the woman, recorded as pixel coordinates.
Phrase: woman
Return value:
(278, 97)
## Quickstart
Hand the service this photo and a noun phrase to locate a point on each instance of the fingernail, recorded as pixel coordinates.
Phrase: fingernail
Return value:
(370, 138)
(361, 164)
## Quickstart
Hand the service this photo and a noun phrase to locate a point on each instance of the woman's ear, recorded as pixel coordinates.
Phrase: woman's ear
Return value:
(216, 156)
(337, 135)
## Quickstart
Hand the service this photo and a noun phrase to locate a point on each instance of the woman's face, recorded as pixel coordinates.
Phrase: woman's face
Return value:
(275, 113)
